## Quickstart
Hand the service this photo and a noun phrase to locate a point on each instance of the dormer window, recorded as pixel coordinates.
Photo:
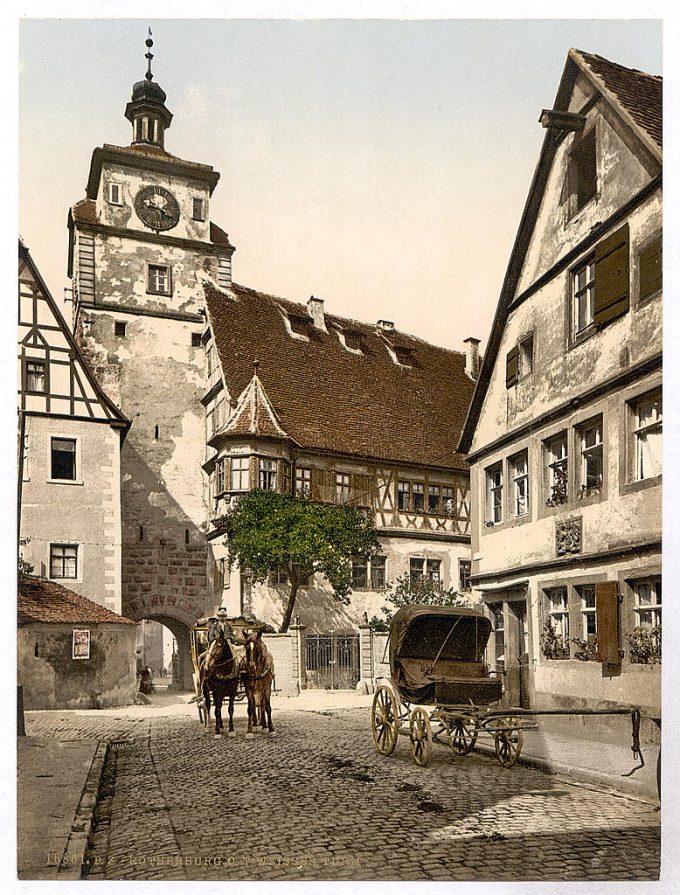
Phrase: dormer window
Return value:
(354, 340)
(404, 355)
(299, 324)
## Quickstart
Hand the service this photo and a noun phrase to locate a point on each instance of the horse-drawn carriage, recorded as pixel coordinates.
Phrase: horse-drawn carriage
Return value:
(437, 660)
(234, 668)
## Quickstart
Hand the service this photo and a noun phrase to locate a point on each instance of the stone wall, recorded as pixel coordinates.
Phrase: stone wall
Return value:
(51, 679)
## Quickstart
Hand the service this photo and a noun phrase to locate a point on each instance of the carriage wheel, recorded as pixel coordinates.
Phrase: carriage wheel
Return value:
(463, 733)
(421, 737)
(385, 720)
(508, 741)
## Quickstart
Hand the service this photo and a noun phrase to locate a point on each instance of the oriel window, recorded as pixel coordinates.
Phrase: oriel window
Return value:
(240, 474)
(63, 460)
(268, 475)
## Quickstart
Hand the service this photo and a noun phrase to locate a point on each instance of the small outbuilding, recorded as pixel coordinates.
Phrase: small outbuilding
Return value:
(72, 653)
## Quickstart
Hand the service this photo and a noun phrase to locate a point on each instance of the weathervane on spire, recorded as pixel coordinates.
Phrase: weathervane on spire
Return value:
(149, 56)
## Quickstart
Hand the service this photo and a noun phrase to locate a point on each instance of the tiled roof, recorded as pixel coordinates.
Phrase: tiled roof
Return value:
(218, 236)
(254, 414)
(40, 600)
(639, 93)
(330, 398)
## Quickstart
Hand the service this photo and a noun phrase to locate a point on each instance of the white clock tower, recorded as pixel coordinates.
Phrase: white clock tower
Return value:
(138, 245)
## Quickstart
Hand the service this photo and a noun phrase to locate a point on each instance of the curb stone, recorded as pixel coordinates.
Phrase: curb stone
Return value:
(73, 858)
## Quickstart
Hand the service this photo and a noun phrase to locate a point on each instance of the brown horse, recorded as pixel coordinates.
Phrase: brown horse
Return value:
(220, 675)
(257, 673)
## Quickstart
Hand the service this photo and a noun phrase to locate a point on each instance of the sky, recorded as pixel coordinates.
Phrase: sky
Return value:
(380, 165)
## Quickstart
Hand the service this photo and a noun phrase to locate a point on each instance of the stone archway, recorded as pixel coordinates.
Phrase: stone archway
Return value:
(179, 624)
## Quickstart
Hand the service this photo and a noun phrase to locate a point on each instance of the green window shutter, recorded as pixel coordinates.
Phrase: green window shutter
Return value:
(650, 269)
(511, 367)
(607, 607)
(612, 277)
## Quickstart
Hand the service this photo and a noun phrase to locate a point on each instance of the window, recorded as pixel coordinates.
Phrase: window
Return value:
(558, 612)
(299, 325)
(583, 299)
(279, 577)
(404, 496)
(378, 579)
(464, 572)
(359, 574)
(63, 458)
(353, 339)
(198, 213)
(240, 474)
(526, 356)
(433, 498)
(588, 611)
(268, 475)
(36, 378)
(219, 477)
(519, 474)
(494, 493)
(404, 355)
(196, 341)
(651, 269)
(343, 488)
(159, 279)
(425, 568)
(448, 505)
(557, 469)
(418, 497)
(303, 482)
(648, 602)
(582, 171)
(499, 635)
(63, 560)
(590, 437)
(120, 328)
(647, 436)
(115, 194)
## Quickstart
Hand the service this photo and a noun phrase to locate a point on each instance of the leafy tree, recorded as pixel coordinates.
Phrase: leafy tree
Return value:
(423, 591)
(269, 532)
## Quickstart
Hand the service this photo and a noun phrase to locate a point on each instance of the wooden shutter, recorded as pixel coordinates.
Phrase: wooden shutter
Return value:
(317, 484)
(650, 269)
(607, 608)
(361, 490)
(612, 277)
(512, 367)
(226, 462)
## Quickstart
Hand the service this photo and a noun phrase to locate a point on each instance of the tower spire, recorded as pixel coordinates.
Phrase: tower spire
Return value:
(146, 110)
(149, 56)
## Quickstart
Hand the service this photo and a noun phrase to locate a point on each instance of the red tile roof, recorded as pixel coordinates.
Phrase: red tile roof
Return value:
(40, 600)
(329, 398)
(639, 93)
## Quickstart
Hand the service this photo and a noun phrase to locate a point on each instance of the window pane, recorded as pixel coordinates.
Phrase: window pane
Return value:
(359, 573)
(417, 569)
(35, 376)
(63, 458)
(378, 572)
(418, 496)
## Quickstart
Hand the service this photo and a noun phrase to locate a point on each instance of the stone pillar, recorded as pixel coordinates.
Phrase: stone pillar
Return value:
(366, 673)
(297, 632)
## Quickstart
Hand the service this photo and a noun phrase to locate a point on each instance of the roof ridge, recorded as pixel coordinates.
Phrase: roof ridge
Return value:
(637, 71)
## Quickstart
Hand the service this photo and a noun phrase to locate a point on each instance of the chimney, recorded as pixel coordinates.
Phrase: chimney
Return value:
(315, 308)
(386, 326)
(472, 357)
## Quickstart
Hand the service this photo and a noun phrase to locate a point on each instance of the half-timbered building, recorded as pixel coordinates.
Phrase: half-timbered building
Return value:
(335, 410)
(565, 426)
(70, 436)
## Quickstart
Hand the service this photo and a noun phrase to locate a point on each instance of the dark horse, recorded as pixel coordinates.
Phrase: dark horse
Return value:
(219, 675)
(257, 673)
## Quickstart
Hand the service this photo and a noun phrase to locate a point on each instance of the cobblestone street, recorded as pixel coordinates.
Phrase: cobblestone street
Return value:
(317, 802)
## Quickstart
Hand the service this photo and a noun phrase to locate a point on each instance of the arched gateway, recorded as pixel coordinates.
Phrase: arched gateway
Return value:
(178, 622)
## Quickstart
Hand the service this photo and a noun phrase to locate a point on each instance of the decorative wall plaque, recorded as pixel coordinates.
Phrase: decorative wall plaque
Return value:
(568, 536)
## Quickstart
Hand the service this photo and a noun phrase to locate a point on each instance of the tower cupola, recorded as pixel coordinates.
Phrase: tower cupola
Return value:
(147, 110)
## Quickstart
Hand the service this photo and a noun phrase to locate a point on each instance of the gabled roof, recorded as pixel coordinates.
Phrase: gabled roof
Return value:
(636, 98)
(116, 416)
(44, 601)
(330, 398)
(254, 414)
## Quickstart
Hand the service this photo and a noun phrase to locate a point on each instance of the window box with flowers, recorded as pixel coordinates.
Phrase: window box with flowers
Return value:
(644, 645)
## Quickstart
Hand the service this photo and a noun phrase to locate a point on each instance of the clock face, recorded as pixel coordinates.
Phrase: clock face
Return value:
(157, 207)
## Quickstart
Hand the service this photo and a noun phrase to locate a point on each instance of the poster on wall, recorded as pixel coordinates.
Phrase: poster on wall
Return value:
(81, 643)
